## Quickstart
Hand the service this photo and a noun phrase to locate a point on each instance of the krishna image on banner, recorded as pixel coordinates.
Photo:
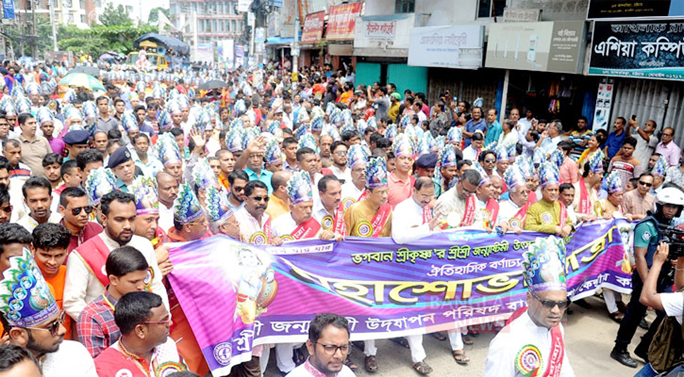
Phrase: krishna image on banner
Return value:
(256, 287)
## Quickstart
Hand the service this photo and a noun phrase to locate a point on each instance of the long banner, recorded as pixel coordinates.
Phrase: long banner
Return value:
(237, 296)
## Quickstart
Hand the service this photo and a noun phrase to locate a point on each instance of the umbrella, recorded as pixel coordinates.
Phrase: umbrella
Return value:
(212, 84)
(82, 80)
(107, 57)
(88, 70)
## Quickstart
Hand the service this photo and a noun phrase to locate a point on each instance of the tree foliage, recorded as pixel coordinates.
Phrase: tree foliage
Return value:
(153, 18)
(100, 39)
(115, 16)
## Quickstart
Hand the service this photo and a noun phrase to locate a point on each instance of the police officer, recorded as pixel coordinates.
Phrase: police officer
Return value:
(670, 202)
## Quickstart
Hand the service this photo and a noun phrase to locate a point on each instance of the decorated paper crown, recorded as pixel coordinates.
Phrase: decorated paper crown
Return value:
(238, 123)
(71, 112)
(483, 174)
(89, 109)
(372, 122)
(273, 154)
(448, 156)
(308, 141)
(356, 155)
(405, 121)
(376, 173)
(69, 95)
(410, 131)
(361, 125)
(455, 135)
(317, 111)
(44, 115)
(512, 152)
(329, 129)
(145, 192)
(316, 124)
(218, 208)
(514, 176)
(336, 117)
(302, 130)
(250, 134)
(234, 139)
(330, 108)
(424, 144)
(538, 157)
(299, 188)
(25, 299)
(8, 106)
(347, 116)
(595, 161)
(348, 127)
(188, 208)
(273, 127)
(23, 105)
(660, 167)
(548, 174)
(544, 265)
(168, 150)
(557, 158)
(46, 88)
(525, 165)
(128, 122)
(32, 88)
(203, 175)
(184, 101)
(100, 181)
(18, 91)
(501, 153)
(402, 145)
(614, 183)
(164, 120)
(174, 107)
(140, 86)
(437, 144)
(239, 108)
(158, 92)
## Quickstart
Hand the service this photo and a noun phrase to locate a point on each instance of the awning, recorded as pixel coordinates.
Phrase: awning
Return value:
(279, 41)
(174, 43)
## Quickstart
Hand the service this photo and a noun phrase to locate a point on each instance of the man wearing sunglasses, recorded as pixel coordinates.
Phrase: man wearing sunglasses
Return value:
(145, 348)
(75, 211)
(532, 341)
(638, 202)
(255, 223)
(38, 325)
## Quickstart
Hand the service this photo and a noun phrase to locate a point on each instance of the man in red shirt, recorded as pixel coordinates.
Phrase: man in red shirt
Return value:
(400, 180)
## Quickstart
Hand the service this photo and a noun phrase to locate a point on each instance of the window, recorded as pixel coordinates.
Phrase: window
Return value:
(491, 8)
(404, 6)
(129, 10)
(98, 3)
(81, 4)
(232, 25)
(83, 18)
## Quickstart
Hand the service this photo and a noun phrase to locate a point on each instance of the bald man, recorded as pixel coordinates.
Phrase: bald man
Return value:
(279, 202)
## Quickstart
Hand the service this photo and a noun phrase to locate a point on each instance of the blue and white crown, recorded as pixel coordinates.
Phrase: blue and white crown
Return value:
(595, 161)
(164, 120)
(239, 108)
(302, 130)
(299, 187)
(455, 135)
(317, 111)
(32, 88)
(203, 175)
(405, 121)
(317, 124)
(514, 176)
(402, 145)
(273, 127)
(356, 155)
(448, 156)
(217, 205)
(372, 122)
(329, 108)
(425, 144)
(392, 133)
(660, 167)
(512, 152)
(128, 122)
(557, 158)
(361, 125)
(525, 165)
(7, 105)
(336, 117)
(43, 115)
(483, 174)
(538, 157)
(89, 109)
(376, 173)
(273, 153)
(544, 265)
(308, 141)
(188, 208)
(174, 107)
(614, 183)
(234, 139)
(25, 299)
(100, 181)
(168, 150)
(501, 153)
(548, 174)
(146, 199)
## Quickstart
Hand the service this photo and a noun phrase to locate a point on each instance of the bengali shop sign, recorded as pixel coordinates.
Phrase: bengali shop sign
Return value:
(601, 9)
(313, 27)
(342, 21)
(380, 29)
(236, 296)
(644, 49)
(447, 46)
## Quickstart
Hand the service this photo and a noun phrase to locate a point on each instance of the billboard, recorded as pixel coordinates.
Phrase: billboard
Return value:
(601, 9)
(342, 21)
(313, 27)
(447, 46)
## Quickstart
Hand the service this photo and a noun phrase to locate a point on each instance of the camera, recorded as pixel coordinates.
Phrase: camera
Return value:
(674, 237)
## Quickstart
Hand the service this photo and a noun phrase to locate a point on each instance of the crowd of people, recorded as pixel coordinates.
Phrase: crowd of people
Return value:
(95, 186)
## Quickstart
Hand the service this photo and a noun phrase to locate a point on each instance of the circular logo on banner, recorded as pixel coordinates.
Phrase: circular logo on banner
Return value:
(223, 352)
(124, 373)
(348, 202)
(327, 222)
(364, 229)
(258, 238)
(546, 218)
(528, 361)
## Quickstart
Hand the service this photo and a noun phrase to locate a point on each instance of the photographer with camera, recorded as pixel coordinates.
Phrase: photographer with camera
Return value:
(647, 237)
(671, 303)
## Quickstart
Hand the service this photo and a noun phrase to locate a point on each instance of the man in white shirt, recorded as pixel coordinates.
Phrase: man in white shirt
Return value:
(646, 141)
(550, 144)
(167, 187)
(328, 210)
(255, 224)
(84, 278)
(338, 152)
(354, 189)
(37, 193)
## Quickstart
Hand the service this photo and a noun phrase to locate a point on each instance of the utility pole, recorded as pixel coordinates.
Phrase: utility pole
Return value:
(295, 50)
(34, 29)
(54, 27)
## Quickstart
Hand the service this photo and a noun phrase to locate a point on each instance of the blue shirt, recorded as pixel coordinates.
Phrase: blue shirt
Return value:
(475, 126)
(614, 143)
(265, 177)
(494, 130)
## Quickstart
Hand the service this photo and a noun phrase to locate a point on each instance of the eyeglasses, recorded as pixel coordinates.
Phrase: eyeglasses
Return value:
(54, 326)
(646, 184)
(163, 322)
(77, 210)
(550, 304)
(238, 188)
(331, 349)
(6, 209)
(260, 198)
(341, 153)
(490, 161)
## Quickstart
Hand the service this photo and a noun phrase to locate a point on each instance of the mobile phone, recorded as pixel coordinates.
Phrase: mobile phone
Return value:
(633, 116)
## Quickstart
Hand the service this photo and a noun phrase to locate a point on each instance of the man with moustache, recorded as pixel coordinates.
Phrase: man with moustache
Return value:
(38, 198)
(237, 180)
(255, 223)
(85, 279)
(329, 211)
(75, 211)
(167, 187)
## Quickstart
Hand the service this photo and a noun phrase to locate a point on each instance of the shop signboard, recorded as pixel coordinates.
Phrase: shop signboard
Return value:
(313, 27)
(380, 29)
(645, 49)
(342, 21)
(602, 9)
(447, 46)
(536, 46)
